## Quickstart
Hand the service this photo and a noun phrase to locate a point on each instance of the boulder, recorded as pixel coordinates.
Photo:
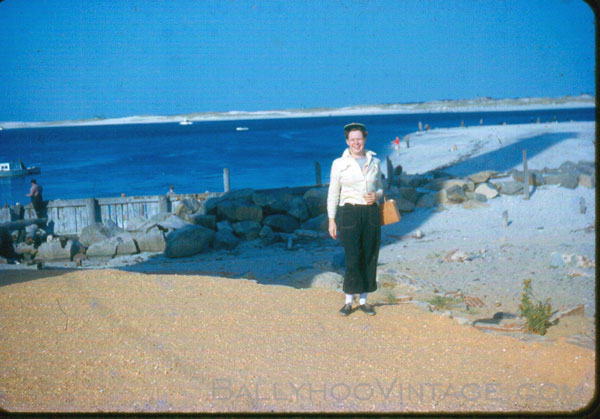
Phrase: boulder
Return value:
(456, 194)
(187, 206)
(587, 181)
(426, 201)
(224, 226)
(586, 167)
(328, 280)
(569, 180)
(410, 194)
(152, 240)
(273, 202)
(267, 236)
(239, 211)
(319, 223)
(136, 223)
(93, 233)
(112, 228)
(536, 177)
(209, 206)
(126, 245)
(316, 201)
(188, 241)
(105, 248)
(297, 208)
(172, 222)
(438, 184)
(54, 250)
(474, 196)
(487, 189)
(413, 181)
(568, 166)
(238, 195)
(510, 187)
(441, 197)
(225, 239)
(26, 249)
(204, 220)
(482, 177)
(282, 222)
(404, 205)
(552, 177)
(247, 230)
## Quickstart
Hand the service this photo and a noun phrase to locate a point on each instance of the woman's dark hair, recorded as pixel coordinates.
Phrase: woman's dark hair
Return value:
(364, 131)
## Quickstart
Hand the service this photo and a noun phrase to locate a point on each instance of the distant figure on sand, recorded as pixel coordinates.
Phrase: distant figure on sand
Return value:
(171, 190)
(355, 187)
(37, 201)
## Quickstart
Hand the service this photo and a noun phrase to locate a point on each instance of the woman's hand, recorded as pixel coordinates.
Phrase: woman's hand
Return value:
(332, 229)
(371, 198)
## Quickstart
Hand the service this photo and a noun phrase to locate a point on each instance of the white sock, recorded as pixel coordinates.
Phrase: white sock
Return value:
(363, 299)
(349, 298)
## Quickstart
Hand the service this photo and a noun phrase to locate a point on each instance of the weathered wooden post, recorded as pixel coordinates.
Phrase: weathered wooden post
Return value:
(91, 206)
(390, 172)
(582, 206)
(163, 203)
(420, 126)
(525, 176)
(317, 174)
(226, 180)
(407, 139)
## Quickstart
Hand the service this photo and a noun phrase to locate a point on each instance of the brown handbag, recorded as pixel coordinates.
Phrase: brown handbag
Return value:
(389, 212)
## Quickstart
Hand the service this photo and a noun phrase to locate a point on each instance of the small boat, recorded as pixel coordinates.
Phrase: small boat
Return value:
(13, 168)
(185, 122)
(241, 129)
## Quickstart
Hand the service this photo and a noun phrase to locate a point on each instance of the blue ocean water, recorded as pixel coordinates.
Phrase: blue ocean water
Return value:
(144, 159)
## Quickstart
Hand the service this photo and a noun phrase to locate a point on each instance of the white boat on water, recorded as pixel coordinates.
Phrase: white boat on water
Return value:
(241, 129)
(14, 168)
(185, 122)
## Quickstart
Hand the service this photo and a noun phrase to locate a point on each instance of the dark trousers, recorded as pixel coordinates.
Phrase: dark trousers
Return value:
(360, 234)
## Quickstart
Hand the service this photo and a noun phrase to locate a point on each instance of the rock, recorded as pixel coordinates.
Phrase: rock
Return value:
(239, 211)
(173, 222)
(207, 221)
(26, 249)
(273, 202)
(282, 222)
(441, 197)
(209, 206)
(152, 240)
(536, 178)
(126, 245)
(488, 190)
(135, 223)
(112, 228)
(510, 187)
(55, 251)
(225, 239)
(475, 196)
(297, 208)
(482, 177)
(404, 205)
(419, 234)
(93, 233)
(456, 194)
(410, 194)
(586, 167)
(579, 261)
(187, 206)
(413, 181)
(316, 201)
(79, 258)
(224, 226)
(267, 236)
(188, 241)
(557, 260)
(426, 201)
(238, 195)
(569, 180)
(328, 280)
(306, 234)
(553, 177)
(319, 223)
(105, 248)
(438, 184)
(457, 256)
(568, 166)
(587, 181)
(247, 230)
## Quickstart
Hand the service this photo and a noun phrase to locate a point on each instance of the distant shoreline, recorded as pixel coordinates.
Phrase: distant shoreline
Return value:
(471, 105)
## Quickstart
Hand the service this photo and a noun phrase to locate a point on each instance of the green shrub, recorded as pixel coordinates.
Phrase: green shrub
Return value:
(442, 303)
(536, 313)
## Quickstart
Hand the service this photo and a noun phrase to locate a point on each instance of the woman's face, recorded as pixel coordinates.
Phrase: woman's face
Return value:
(356, 141)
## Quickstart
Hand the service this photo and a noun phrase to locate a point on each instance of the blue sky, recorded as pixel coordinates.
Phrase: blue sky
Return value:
(72, 59)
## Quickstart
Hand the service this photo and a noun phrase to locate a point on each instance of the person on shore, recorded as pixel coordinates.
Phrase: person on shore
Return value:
(171, 190)
(355, 188)
(37, 202)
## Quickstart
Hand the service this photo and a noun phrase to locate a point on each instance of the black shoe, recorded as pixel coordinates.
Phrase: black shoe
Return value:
(347, 309)
(368, 309)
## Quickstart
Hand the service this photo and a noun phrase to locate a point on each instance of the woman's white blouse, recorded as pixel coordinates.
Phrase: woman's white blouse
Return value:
(348, 184)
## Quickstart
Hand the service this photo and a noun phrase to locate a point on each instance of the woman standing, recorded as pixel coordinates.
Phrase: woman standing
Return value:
(355, 187)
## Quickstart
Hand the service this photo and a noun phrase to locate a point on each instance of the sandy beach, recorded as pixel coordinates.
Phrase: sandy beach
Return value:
(244, 330)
